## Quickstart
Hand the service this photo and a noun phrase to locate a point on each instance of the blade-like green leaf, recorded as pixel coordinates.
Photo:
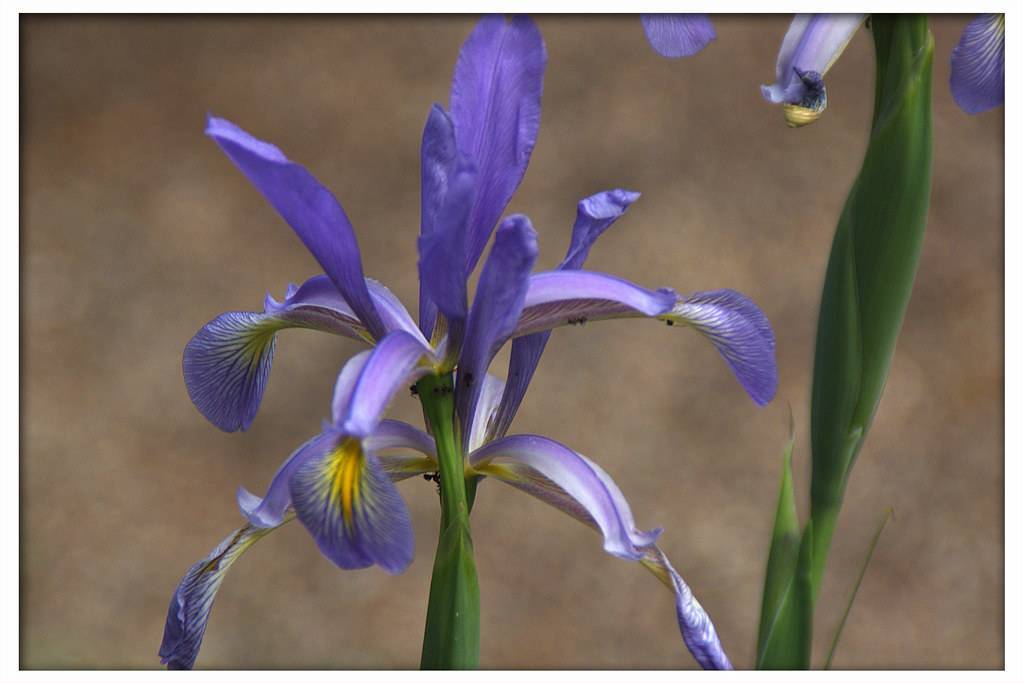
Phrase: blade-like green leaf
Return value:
(781, 560)
(856, 586)
(787, 646)
(872, 266)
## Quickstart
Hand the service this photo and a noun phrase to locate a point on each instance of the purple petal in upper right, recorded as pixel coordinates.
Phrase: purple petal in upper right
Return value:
(495, 106)
(678, 35)
(740, 332)
(978, 65)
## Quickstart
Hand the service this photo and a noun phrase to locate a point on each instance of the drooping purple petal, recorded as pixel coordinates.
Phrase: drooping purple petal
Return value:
(694, 623)
(978, 65)
(594, 215)
(495, 106)
(575, 297)
(270, 510)
(393, 363)
(352, 509)
(498, 302)
(227, 363)
(448, 188)
(811, 45)
(308, 207)
(190, 606)
(678, 35)
(518, 460)
(740, 332)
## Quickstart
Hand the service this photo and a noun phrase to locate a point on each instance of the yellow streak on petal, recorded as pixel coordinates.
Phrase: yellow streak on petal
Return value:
(344, 474)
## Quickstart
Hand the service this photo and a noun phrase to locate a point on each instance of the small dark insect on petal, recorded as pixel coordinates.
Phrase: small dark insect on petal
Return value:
(669, 323)
(414, 390)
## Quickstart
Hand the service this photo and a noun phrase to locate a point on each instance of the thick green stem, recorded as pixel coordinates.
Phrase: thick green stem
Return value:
(452, 638)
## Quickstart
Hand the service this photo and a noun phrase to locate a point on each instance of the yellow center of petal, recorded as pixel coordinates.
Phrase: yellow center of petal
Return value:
(344, 472)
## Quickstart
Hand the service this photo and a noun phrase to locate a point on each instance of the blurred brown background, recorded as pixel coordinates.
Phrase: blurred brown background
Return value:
(137, 230)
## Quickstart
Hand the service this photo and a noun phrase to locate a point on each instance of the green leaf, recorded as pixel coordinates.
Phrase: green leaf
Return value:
(787, 646)
(856, 586)
(872, 267)
(781, 561)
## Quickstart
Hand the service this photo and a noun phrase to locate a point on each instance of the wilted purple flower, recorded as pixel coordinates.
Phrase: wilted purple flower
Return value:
(678, 35)
(814, 41)
(340, 483)
(811, 46)
(978, 65)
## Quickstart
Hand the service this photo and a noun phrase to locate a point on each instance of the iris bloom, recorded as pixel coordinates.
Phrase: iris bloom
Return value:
(340, 484)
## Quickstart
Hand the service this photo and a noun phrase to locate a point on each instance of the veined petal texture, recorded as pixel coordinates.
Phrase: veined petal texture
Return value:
(694, 623)
(740, 332)
(548, 470)
(190, 606)
(308, 207)
(978, 65)
(678, 35)
(227, 363)
(495, 106)
(352, 509)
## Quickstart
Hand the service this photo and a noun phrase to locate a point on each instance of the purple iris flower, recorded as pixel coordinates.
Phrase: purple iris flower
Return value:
(340, 484)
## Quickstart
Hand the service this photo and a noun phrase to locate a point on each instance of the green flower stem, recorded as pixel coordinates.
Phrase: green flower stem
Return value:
(452, 638)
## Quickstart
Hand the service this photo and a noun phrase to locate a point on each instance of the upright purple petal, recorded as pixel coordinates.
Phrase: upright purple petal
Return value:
(535, 463)
(594, 215)
(678, 35)
(190, 606)
(500, 295)
(740, 332)
(353, 510)
(694, 623)
(308, 207)
(495, 106)
(978, 65)
(448, 188)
